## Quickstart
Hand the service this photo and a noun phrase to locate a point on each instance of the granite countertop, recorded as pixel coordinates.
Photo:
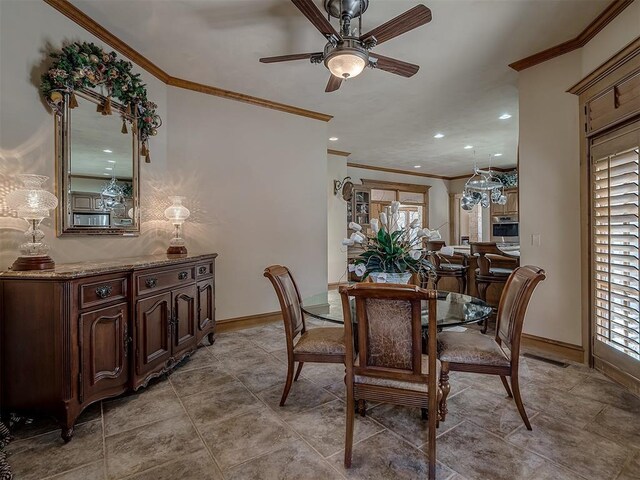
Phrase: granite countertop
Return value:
(513, 250)
(84, 269)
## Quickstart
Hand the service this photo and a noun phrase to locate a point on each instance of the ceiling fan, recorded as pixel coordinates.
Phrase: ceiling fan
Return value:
(346, 55)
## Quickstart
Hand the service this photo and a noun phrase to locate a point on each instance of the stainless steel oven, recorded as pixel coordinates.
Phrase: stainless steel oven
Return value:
(81, 219)
(505, 229)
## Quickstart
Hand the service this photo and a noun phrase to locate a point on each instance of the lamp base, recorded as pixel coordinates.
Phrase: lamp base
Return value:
(177, 250)
(39, 262)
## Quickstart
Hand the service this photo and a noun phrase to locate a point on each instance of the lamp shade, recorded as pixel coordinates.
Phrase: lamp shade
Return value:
(346, 63)
(177, 213)
(31, 201)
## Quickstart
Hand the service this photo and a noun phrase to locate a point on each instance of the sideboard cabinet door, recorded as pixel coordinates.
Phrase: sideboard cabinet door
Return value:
(184, 319)
(104, 348)
(152, 333)
(205, 307)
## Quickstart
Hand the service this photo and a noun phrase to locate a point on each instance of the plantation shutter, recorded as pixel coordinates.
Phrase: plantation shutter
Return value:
(615, 249)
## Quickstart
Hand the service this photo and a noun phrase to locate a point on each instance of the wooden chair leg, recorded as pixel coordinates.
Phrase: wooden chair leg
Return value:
(295, 379)
(431, 445)
(464, 284)
(348, 441)
(287, 386)
(506, 385)
(461, 286)
(482, 293)
(446, 388)
(362, 408)
(516, 395)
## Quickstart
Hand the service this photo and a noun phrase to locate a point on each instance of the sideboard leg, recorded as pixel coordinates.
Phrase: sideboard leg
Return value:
(66, 433)
(211, 337)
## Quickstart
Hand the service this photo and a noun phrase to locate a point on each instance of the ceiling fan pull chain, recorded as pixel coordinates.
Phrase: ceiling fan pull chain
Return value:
(360, 18)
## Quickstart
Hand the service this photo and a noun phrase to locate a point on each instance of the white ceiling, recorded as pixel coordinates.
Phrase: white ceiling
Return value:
(463, 85)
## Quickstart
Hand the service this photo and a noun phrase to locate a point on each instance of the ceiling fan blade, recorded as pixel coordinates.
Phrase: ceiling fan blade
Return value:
(309, 10)
(393, 65)
(286, 58)
(333, 84)
(413, 18)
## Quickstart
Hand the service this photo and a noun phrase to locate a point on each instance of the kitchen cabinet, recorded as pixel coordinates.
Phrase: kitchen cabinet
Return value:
(80, 333)
(509, 209)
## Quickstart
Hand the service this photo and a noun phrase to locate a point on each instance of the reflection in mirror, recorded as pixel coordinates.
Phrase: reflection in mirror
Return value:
(99, 172)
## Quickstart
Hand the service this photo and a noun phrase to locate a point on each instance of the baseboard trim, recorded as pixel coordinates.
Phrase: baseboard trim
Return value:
(564, 350)
(250, 321)
(614, 373)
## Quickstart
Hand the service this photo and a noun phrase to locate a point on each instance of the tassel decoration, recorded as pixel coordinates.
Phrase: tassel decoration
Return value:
(106, 108)
(73, 101)
(100, 108)
(124, 127)
(128, 110)
(147, 157)
(143, 150)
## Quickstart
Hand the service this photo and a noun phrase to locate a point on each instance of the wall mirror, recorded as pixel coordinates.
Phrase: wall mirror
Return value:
(98, 162)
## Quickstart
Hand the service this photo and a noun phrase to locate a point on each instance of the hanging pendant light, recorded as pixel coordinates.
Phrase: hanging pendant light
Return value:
(482, 188)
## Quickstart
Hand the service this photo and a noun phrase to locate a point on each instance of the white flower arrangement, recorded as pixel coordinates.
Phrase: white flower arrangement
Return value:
(391, 248)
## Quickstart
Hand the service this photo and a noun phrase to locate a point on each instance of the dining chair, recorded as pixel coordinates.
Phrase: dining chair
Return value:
(317, 345)
(475, 353)
(445, 267)
(486, 273)
(390, 366)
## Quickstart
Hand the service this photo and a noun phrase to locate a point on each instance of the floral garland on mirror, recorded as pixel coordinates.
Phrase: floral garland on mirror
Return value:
(85, 65)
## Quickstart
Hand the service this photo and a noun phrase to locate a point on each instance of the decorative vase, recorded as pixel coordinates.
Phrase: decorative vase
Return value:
(388, 277)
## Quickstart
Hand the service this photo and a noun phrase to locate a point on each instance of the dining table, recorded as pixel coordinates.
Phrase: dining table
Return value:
(452, 309)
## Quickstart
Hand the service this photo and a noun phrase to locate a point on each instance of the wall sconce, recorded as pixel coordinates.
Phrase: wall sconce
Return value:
(346, 186)
(32, 203)
(177, 214)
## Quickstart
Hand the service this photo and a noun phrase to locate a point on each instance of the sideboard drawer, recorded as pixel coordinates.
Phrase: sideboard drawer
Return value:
(99, 292)
(152, 282)
(204, 269)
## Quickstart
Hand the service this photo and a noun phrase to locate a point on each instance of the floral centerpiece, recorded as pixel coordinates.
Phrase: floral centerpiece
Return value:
(392, 253)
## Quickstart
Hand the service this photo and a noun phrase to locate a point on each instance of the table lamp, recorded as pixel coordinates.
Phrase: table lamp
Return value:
(177, 214)
(32, 203)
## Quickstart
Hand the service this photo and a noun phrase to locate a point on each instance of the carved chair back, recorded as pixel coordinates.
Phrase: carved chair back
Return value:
(389, 331)
(290, 301)
(481, 249)
(513, 307)
(434, 246)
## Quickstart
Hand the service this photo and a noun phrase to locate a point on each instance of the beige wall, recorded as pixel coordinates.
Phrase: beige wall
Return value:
(438, 193)
(27, 140)
(550, 195)
(336, 220)
(457, 186)
(549, 177)
(254, 178)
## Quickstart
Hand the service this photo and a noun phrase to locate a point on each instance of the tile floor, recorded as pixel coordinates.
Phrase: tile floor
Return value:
(217, 417)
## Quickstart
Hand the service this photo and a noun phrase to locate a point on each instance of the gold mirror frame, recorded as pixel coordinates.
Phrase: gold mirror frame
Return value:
(64, 224)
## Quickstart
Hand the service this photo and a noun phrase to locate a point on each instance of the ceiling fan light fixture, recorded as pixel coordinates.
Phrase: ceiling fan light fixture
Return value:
(346, 63)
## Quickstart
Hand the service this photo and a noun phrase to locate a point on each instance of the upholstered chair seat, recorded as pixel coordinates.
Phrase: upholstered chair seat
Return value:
(453, 267)
(386, 382)
(505, 272)
(323, 341)
(471, 348)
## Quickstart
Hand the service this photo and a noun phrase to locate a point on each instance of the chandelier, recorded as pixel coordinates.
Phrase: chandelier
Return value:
(112, 195)
(482, 188)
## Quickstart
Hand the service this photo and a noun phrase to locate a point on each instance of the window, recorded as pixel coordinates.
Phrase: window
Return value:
(615, 249)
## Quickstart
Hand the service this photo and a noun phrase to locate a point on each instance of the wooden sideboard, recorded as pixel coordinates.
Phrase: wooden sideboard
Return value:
(84, 332)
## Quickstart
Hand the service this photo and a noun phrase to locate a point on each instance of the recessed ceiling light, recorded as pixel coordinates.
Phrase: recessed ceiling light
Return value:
(417, 166)
(107, 174)
(107, 151)
(468, 147)
(108, 168)
(504, 116)
(333, 139)
(497, 155)
(438, 135)
(111, 161)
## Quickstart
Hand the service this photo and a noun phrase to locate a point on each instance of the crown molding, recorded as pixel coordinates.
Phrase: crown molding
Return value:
(395, 170)
(338, 152)
(82, 19)
(606, 16)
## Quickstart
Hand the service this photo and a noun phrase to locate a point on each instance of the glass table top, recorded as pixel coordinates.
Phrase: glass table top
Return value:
(452, 308)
